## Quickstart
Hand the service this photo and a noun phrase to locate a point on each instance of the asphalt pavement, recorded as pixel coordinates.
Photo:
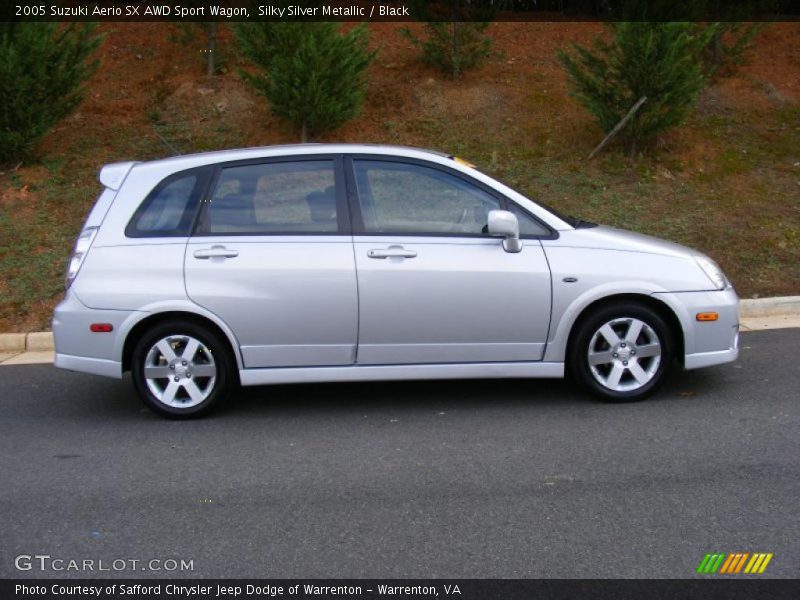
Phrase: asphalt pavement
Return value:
(457, 479)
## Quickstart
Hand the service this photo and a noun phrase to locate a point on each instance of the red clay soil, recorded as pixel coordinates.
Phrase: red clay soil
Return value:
(142, 66)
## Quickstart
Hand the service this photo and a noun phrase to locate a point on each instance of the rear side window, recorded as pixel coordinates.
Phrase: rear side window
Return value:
(273, 198)
(169, 209)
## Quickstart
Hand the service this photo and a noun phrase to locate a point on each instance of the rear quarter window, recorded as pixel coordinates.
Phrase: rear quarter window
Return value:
(168, 211)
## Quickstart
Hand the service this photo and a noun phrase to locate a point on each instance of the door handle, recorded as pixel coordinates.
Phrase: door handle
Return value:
(216, 252)
(392, 252)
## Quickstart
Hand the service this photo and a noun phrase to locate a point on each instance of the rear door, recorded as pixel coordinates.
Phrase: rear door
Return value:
(272, 256)
(434, 287)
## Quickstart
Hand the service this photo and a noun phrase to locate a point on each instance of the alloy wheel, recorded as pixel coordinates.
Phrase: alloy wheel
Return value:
(624, 354)
(180, 371)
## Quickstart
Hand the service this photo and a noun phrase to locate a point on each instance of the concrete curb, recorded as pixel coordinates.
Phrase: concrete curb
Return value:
(767, 307)
(12, 342)
(42, 341)
(36, 341)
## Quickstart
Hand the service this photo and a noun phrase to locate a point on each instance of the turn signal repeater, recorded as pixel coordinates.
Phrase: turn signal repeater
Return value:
(101, 327)
(707, 316)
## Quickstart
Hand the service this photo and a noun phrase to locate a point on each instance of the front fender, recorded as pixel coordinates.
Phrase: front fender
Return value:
(566, 313)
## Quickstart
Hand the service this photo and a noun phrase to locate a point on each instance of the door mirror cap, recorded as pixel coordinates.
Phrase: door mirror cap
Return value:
(505, 223)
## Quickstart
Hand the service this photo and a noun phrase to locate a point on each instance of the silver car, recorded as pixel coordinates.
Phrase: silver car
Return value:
(318, 263)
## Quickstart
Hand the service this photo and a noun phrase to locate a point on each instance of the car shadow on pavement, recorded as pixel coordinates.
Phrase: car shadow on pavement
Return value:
(402, 395)
(414, 396)
(41, 390)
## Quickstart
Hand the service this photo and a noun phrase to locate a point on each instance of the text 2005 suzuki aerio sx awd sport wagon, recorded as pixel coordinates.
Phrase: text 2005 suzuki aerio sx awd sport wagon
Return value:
(356, 262)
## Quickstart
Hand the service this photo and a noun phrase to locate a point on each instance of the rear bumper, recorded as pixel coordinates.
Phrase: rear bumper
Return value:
(78, 348)
(95, 366)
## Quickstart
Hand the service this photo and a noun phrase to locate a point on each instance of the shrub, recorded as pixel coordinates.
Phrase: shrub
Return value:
(453, 46)
(314, 75)
(455, 35)
(661, 61)
(728, 45)
(42, 70)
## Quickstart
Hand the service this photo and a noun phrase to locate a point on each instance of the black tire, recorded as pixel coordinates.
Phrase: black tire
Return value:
(631, 386)
(212, 355)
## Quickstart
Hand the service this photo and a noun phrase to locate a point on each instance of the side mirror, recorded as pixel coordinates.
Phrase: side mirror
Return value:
(504, 223)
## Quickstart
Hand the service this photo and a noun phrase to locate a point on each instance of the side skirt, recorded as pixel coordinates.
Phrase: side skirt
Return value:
(402, 372)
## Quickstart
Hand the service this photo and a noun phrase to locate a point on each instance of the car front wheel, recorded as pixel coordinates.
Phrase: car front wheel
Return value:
(181, 370)
(622, 353)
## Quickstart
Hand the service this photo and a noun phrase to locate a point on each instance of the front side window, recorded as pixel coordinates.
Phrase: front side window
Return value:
(528, 226)
(398, 197)
(273, 198)
(167, 211)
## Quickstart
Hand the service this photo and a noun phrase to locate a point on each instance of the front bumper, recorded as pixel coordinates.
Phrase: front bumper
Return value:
(707, 343)
(698, 360)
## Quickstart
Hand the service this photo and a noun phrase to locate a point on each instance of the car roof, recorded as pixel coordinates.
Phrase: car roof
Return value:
(205, 158)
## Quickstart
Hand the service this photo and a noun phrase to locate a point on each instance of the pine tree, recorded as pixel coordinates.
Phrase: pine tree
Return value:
(728, 46)
(455, 35)
(314, 74)
(42, 70)
(209, 34)
(659, 61)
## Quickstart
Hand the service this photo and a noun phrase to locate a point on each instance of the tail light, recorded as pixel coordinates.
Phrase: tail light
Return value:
(82, 245)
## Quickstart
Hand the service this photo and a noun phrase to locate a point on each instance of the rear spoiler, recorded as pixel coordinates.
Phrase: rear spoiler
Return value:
(112, 175)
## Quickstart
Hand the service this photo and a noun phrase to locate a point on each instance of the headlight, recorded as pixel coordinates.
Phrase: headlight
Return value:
(82, 245)
(712, 271)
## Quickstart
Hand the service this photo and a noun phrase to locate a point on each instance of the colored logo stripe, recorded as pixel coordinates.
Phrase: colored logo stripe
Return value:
(703, 563)
(758, 563)
(730, 561)
(741, 562)
(710, 563)
(734, 562)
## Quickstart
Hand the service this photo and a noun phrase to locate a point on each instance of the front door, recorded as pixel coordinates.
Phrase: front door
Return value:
(272, 257)
(433, 286)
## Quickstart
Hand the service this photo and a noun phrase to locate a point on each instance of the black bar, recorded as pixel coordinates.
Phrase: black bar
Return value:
(399, 10)
(706, 588)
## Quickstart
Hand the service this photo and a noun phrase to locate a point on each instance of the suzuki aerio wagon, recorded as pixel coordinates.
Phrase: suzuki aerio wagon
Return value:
(323, 263)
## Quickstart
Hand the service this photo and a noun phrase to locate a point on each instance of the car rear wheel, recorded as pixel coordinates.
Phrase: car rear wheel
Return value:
(182, 370)
(622, 353)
